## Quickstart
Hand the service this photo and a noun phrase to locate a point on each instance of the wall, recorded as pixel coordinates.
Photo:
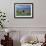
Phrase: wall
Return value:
(39, 9)
(38, 23)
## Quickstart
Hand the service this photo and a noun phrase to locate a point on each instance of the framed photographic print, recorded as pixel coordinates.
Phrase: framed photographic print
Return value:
(23, 10)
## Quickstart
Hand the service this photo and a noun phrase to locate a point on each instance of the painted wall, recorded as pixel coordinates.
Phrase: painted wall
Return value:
(38, 23)
(39, 9)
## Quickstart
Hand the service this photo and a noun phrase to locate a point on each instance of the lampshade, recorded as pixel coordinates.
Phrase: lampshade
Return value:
(7, 30)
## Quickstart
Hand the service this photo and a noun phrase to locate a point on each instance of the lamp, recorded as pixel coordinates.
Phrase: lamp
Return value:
(7, 31)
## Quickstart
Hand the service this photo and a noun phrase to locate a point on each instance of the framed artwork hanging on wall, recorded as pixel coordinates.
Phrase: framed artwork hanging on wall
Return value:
(23, 10)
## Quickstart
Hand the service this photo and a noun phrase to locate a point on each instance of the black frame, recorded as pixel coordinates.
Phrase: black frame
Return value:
(23, 3)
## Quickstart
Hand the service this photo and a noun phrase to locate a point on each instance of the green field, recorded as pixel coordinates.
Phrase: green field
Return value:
(20, 13)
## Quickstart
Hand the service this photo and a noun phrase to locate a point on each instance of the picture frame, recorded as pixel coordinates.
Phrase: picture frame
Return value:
(23, 10)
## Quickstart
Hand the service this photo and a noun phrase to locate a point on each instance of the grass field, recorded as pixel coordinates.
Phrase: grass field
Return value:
(21, 13)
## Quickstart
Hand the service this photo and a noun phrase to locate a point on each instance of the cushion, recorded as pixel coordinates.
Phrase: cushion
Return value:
(26, 39)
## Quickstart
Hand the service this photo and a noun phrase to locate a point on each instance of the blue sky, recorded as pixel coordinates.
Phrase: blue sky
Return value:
(23, 7)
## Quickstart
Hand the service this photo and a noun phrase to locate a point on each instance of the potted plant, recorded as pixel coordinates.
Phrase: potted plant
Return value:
(2, 18)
